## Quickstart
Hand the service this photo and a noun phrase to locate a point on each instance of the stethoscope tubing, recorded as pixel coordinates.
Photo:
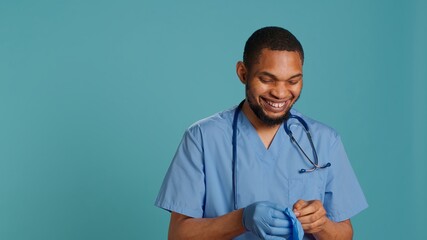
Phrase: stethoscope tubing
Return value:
(315, 163)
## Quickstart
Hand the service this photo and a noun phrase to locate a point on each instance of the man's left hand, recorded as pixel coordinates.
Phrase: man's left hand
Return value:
(311, 214)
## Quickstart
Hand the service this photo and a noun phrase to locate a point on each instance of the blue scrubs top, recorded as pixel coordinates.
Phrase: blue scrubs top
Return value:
(199, 181)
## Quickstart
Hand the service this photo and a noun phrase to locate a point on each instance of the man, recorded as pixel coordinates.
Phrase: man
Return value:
(237, 173)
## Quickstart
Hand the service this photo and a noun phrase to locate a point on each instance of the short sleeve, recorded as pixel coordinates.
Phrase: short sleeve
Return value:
(344, 197)
(183, 188)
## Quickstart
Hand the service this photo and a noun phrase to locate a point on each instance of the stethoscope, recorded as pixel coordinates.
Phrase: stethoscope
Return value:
(315, 163)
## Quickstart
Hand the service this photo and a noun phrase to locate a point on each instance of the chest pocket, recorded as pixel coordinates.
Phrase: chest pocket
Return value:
(307, 186)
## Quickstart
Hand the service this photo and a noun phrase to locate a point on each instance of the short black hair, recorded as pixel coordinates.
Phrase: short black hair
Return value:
(273, 38)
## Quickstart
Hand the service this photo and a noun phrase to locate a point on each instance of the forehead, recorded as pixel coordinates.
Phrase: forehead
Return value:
(279, 60)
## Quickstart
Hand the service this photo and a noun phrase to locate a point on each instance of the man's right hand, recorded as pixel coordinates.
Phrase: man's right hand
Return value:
(267, 221)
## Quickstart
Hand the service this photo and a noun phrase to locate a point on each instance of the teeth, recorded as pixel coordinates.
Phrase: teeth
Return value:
(276, 105)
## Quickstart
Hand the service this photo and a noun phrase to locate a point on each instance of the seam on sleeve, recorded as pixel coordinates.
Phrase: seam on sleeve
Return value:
(173, 207)
(339, 217)
(193, 139)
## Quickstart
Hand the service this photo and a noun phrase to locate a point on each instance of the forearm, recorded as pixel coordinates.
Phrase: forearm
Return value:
(335, 231)
(227, 226)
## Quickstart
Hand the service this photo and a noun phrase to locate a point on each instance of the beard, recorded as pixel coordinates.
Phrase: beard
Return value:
(259, 112)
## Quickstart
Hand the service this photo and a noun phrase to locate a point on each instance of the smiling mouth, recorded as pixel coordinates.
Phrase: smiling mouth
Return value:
(275, 105)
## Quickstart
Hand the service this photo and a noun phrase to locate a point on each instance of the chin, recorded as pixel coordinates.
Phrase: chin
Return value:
(276, 115)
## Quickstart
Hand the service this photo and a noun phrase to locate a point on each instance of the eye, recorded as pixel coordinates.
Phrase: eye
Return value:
(294, 81)
(265, 80)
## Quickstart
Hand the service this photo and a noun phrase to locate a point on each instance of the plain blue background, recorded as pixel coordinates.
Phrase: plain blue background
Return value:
(95, 96)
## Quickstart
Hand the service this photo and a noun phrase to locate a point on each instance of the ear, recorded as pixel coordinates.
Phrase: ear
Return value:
(241, 71)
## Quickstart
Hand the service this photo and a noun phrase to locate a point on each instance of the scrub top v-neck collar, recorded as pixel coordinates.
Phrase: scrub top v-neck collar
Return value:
(247, 130)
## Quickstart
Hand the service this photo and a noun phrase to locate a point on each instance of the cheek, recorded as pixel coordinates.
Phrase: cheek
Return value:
(255, 89)
(297, 90)
(261, 88)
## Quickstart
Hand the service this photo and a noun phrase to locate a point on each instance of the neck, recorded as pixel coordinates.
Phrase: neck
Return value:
(265, 132)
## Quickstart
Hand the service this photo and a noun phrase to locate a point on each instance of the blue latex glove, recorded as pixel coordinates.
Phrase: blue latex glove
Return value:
(297, 231)
(267, 221)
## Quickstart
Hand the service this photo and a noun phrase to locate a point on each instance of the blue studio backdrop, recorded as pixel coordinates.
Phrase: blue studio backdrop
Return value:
(95, 97)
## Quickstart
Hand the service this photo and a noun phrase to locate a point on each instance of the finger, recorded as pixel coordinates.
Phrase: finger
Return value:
(315, 226)
(290, 213)
(306, 211)
(278, 231)
(281, 223)
(300, 204)
(310, 208)
(309, 218)
(278, 214)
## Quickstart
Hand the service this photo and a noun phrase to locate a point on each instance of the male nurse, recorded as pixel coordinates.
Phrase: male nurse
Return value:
(239, 174)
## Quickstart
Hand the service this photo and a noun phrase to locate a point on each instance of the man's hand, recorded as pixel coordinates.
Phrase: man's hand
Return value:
(267, 221)
(312, 215)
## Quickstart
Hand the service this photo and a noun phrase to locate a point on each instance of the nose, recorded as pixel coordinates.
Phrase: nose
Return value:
(279, 90)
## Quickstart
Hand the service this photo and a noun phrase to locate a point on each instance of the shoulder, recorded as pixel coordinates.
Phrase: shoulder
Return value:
(214, 124)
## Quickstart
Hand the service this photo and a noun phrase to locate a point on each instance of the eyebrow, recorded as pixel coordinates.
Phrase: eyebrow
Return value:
(274, 76)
